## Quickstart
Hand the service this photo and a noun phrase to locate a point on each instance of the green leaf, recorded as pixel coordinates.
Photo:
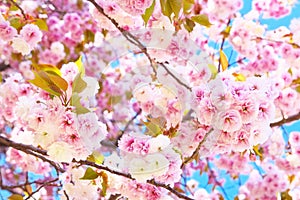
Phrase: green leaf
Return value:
(166, 8)
(46, 68)
(96, 157)
(128, 95)
(155, 126)
(58, 81)
(202, 20)
(296, 81)
(213, 69)
(189, 25)
(89, 174)
(44, 82)
(298, 89)
(80, 66)
(15, 197)
(285, 195)
(187, 6)
(41, 23)
(223, 60)
(75, 101)
(50, 81)
(115, 99)
(13, 8)
(16, 22)
(89, 36)
(78, 84)
(176, 6)
(146, 16)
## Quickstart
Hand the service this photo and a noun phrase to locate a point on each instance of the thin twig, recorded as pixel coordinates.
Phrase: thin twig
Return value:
(238, 61)
(129, 36)
(196, 150)
(43, 185)
(177, 79)
(221, 47)
(215, 179)
(19, 7)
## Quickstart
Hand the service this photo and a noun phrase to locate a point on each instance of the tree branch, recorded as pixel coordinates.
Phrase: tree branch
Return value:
(129, 36)
(152, 182)
(286, 120)
(28, 149)
(9, 143)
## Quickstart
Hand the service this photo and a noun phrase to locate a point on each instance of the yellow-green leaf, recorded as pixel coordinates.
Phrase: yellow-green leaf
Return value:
(155, 126)
(59, 81)
(96, 157)
(176, 6)
(42, 82)
(75, 101)
(202, 20)
(78, 84)
(298, 89)
(54, 81)
(187, 6)
(46, 68)
(15, 197)
(41, 23)
(239, 77)
(258, 151)
(166, 8)
(115, 99)
(16, 22)
(285, 195)
(13, 8)
(214, 70)
(80, 66)
(189, 25)
(223, 60)
(104, 183)
(226, 32)
(148, 12)
(89, 36)
(89, 174)
(296, 81)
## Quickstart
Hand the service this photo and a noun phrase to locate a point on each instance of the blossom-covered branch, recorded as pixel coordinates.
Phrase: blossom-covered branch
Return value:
(29, 149)
(153, 182)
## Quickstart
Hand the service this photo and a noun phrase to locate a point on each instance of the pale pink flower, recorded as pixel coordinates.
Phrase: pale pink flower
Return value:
(248, 109)
(7, 32)
(31, 34)
(229, 120)
(294, 138)
(21, 46)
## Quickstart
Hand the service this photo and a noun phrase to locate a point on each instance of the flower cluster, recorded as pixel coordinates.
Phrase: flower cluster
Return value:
(239, 112)
(146, 157)
(264, 187)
